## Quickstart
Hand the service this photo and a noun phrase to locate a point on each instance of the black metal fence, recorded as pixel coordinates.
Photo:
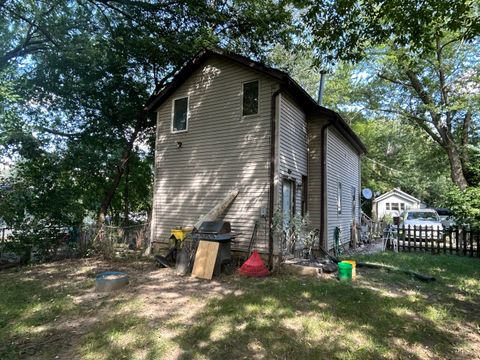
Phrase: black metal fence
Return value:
(459, 240)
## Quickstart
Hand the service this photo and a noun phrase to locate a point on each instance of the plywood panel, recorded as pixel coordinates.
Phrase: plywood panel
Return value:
(205, 259)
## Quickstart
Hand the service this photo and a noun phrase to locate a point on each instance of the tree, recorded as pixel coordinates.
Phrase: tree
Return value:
(425, 56)
(349, 29)
(399, 157)
(438, 93)
(398, 154)
(83, 70)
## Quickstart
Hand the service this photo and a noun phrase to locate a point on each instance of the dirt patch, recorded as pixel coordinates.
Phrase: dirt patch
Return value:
(156, 295)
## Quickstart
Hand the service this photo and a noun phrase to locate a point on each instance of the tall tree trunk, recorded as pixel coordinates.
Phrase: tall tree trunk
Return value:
(126, 195)
(456, 167)
(107, 199)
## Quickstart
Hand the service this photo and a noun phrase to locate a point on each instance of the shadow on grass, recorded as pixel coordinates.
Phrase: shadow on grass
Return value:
(382, 315)
(42, 305)
(294, 318)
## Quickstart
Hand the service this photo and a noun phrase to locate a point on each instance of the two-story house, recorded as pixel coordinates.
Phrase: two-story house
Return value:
(227, 122)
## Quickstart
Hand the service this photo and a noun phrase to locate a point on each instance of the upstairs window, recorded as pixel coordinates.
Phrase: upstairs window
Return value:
(387, 206)
(180, 115)
(250, 98)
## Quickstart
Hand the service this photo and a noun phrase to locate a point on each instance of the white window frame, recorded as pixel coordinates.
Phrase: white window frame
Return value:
(173, 114)
(339, 198)
(241, 98)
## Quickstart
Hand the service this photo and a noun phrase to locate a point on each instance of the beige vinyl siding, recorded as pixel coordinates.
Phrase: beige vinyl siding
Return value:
(292, 143)
(220, 151)
(343, 165)
(314, 170)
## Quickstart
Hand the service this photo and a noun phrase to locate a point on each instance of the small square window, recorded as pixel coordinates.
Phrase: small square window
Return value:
(250, 98)
(180, 115)
(395, 207)
(387, 206)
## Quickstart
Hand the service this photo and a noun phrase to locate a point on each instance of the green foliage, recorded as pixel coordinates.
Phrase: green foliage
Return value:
(348, 29)
(39, 201)
(401, 157)
(75, 77)
(465, 205)
(294, 230)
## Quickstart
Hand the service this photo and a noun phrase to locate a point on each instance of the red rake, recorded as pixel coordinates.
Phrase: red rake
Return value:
(254, 266)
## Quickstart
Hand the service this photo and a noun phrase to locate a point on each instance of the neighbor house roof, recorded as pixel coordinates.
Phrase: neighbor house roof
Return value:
(308, 103)
(398, 193)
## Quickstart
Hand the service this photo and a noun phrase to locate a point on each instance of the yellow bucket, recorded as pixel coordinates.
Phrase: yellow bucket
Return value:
(180, 233)
(354, 264)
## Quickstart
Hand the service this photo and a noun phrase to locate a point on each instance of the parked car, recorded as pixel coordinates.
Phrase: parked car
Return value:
(421, 224)
(446, 217)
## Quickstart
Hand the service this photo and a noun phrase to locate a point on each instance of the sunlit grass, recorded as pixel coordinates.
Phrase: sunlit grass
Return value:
(380, 315)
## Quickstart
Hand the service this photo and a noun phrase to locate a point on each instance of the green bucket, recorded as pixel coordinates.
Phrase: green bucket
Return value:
(344, 271)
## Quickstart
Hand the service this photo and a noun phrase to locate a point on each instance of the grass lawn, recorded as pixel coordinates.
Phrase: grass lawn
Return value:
(52, 311)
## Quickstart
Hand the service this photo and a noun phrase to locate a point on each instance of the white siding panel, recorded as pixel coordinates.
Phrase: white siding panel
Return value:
(293, 148)
(221, 151)
(343, 165)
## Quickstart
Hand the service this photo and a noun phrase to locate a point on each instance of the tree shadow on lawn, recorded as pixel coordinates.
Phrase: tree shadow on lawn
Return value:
(43, 307)
(53, 310)
(294, 318)
(457, 282)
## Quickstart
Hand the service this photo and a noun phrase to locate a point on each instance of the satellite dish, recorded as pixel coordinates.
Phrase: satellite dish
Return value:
(367, 193)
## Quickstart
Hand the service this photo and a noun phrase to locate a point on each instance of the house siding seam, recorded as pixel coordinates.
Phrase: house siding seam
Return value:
(220, 152)
(343, 164)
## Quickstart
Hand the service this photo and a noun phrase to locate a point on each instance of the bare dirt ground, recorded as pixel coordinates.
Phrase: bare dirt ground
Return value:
(154, 294)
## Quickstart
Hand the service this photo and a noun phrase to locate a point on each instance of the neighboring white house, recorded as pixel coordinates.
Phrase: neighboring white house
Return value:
(227, 122)
(393, 203)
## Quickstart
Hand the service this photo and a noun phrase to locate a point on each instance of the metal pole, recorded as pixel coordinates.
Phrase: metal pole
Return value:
(323, 75)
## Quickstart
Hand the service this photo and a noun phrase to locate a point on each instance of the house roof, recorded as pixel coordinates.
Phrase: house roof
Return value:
(399, 193)
(309, 104)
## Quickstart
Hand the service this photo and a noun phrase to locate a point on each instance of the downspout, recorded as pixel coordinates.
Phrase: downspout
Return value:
(272, 177)
(323, 164)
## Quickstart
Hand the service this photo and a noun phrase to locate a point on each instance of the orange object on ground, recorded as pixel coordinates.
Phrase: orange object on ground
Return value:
(254, 266)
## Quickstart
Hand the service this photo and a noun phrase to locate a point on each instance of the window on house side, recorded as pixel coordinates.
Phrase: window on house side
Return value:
(395, 206)
(402, 206)
(387, 206)
(339, 198)
(180, 115)
(250, 98)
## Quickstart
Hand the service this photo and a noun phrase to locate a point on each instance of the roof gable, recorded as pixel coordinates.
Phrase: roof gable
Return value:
(399, 193)
(287, 83)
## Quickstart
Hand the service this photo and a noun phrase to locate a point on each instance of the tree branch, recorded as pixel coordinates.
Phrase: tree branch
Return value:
(467, 121)
(423, 123)
(392, 80)
(442, 83)
(60, 133)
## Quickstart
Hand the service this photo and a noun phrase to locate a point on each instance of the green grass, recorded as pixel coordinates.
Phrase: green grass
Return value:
(380, 315)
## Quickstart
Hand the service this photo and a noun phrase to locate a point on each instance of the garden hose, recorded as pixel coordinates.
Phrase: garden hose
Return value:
(336, 238)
